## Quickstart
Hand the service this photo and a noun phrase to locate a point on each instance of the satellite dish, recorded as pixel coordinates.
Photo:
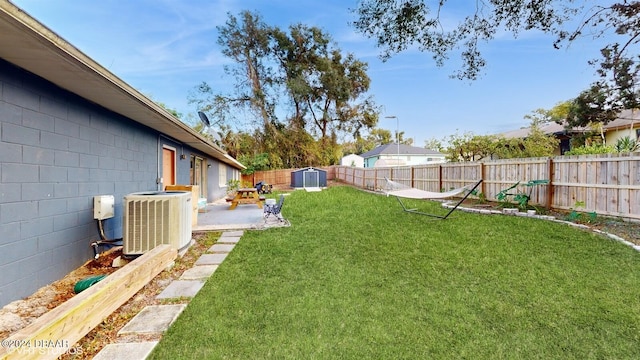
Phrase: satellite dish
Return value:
(212, 132)
(215, 135)
(204, 119)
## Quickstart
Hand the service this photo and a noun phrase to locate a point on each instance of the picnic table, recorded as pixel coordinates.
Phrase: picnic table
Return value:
(246, 196)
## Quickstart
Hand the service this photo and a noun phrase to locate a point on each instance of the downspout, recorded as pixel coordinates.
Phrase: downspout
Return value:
(159, 169)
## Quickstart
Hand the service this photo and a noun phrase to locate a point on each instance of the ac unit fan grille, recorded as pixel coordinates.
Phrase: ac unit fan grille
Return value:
(152, 219)
(149, 224)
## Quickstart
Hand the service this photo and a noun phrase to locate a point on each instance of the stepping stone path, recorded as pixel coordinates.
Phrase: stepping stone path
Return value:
(156, 319)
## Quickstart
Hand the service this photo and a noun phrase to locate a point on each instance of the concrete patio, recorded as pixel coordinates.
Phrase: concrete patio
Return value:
(218, 217)
(132, 342)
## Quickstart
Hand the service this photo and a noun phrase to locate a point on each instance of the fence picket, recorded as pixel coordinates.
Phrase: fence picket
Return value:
(606, 184)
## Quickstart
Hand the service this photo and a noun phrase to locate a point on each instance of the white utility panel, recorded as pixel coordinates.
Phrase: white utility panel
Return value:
(103, 207)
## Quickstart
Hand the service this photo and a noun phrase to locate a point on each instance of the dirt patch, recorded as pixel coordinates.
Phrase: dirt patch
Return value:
(21, 313)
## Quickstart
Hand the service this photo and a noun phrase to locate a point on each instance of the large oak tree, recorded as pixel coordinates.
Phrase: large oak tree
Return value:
(301, 89)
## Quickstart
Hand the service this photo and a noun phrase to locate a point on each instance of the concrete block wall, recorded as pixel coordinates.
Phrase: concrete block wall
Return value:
(58, 151)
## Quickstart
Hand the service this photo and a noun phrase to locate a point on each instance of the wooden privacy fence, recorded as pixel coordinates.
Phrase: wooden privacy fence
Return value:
(280, 177)
(605, 184)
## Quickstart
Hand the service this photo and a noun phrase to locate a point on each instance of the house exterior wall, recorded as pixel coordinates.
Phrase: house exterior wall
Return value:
(352, 160)
(369, 162)
(217, 185)
(232, 174)
(426, 159)
(405, 160)
(612, 136)
(58, 151)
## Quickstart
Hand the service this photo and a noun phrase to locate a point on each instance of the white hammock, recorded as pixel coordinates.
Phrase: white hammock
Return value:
(403, 191)
(398, 189)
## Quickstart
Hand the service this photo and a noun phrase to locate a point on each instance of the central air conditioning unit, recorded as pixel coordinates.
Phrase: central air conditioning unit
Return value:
(156, 217)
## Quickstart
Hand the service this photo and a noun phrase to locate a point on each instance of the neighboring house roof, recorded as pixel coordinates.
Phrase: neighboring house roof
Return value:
(392, 149)
(27, 43)
(626, 119)
(550, 128)
(309, 168)
(352, 157)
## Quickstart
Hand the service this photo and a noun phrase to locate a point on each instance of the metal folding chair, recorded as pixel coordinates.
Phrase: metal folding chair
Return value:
(274, 209)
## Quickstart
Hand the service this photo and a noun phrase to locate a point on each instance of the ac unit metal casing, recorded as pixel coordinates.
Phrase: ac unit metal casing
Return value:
(156, 217)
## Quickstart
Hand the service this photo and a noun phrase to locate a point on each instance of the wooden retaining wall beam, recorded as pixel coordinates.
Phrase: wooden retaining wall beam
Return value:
(56, 332)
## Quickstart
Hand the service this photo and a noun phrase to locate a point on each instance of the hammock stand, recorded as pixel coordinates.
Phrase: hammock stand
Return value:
(412, 193)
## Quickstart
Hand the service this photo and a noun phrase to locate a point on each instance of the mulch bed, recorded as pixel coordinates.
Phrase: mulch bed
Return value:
(627, 229)
(21, 313)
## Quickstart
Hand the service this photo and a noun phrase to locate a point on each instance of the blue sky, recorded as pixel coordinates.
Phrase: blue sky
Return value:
(164, 48)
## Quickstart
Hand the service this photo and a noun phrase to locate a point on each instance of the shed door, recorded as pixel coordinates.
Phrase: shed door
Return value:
(168, 166)
(310, 178)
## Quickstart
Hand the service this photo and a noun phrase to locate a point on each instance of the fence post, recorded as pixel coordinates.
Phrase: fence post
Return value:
(412, 176)
(439, 177)
(550, 185)
(482, 177)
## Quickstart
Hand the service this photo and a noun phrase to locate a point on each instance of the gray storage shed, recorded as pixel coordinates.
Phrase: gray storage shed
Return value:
(309, 178)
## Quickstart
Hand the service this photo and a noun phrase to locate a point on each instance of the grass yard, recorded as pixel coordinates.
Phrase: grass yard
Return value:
(356, 278)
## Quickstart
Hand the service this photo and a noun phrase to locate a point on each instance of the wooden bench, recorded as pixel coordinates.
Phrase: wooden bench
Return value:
(246, 196)
(228, 199)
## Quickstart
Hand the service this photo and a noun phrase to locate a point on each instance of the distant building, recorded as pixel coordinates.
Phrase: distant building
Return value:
(403, 155)
(550, 128)
(626, 125)
(352, 160)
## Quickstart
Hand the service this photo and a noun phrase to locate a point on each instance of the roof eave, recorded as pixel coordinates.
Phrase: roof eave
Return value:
(27, 43)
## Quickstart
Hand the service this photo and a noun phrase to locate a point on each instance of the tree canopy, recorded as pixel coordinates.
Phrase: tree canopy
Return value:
(400, 25)
(618, 68)
(300, 89)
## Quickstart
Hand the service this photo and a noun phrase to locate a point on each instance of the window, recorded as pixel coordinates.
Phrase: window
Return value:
(222, 175)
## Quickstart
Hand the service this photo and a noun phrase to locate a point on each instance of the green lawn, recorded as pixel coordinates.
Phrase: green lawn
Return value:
(356, 278)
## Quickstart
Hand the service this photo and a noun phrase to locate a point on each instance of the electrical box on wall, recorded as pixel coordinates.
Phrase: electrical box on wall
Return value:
(103, 207)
